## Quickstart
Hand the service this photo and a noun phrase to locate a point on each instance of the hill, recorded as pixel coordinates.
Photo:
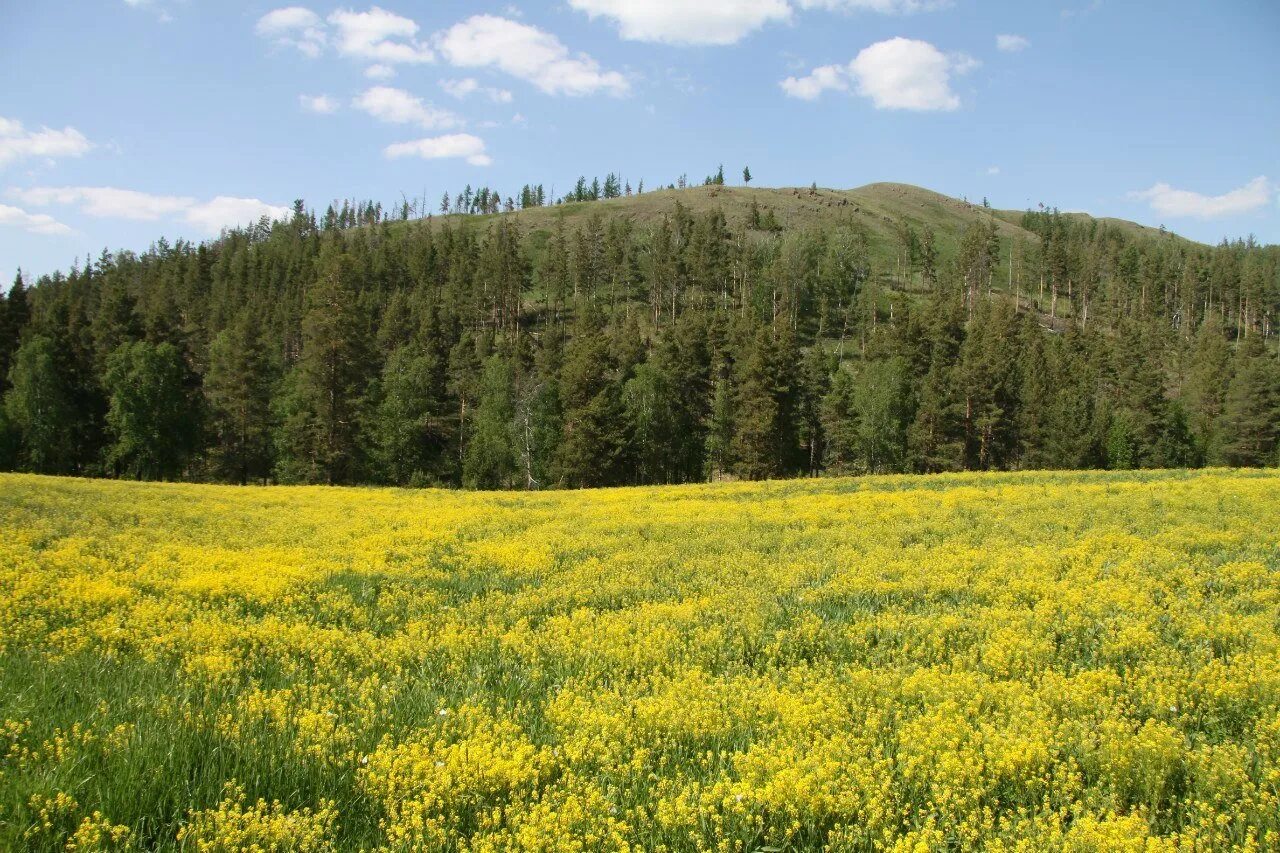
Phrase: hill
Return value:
(674, 336)
(879, 208)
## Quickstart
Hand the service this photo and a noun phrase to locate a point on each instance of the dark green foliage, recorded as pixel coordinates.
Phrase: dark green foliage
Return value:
(593, 433)
(39, 409)
(490, 461)
(152, 421)
(1251, 414)
(238, 386)
(765, 440)
(413, 425)
(326, 395)
(567, 348)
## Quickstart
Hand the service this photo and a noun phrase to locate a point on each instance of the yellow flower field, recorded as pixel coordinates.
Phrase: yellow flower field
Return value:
(974, 662)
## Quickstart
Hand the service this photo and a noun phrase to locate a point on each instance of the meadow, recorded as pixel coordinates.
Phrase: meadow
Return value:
(1032, 661)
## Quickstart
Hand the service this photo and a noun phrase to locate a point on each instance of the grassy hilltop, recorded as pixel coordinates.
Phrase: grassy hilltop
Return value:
(880, 208)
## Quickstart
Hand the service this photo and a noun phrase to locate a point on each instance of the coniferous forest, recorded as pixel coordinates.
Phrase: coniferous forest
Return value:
(595, 346)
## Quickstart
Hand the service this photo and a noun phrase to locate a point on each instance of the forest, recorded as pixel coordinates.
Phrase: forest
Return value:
(596, 346)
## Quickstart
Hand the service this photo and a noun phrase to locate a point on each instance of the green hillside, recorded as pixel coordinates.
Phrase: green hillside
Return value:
(673, 336)
(880, 210)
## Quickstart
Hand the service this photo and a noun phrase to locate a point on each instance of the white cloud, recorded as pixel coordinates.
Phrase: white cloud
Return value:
(527, 53)
(294, 26)
(17, 143)
(993, 170)
(322, 104)
(963, 63)
(378, 35)
(1012, 43)
(396, 106)
(816, 82)
(461, 145)
(108, 202)
(1167, 201)
(884, 7)
(210, 216)
(467, 86)
(686, 21)
(379, 72)
(718, 22)
(905, 74)
(228, 212)
(897, 74)
(32, 223)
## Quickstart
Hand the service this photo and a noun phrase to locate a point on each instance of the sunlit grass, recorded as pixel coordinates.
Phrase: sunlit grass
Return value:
(1014, 661)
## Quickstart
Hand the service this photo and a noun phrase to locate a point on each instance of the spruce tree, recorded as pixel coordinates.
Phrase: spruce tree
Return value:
(1204, 393)
(14, 315)
(765, 443)
(490, 461)
(323, 407)
(238, 387)
(1251, 412)
(593, 432)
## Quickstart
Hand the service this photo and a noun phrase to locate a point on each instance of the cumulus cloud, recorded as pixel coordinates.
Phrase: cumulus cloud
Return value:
(17, 143)
(108, 202)
(379, 72)
(527, 53)
(817, 81)
(32, 223)
(228, 212)
(684, 22)
(296, 27)
(897, 74)
(210, 217)
(378, 35)
(375, 35)
(719, 22)
(396, 106)
(454, 145)
(884, 7)
(468, 86)
(322, 104)
(993, 170)
(1009, 43)
(907, 74)
(1168, 201)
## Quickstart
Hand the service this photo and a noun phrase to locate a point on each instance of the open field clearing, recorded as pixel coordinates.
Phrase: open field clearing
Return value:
(1001, 662)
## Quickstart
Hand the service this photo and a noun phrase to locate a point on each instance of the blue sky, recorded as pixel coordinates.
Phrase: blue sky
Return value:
(125, 120)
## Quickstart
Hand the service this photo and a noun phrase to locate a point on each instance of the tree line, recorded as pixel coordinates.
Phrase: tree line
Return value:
(479, 353)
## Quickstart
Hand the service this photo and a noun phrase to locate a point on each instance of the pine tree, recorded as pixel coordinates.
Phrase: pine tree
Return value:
(815, 383)
(594, 427)
(1205, 391)
(490, 461)
(840, 425)
(14, 316)
(238, 387)
(937, 433)
(746, 174)
(765, 442)
(410, 428)
(1251, 412)
(538, 420)
(323, 407)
